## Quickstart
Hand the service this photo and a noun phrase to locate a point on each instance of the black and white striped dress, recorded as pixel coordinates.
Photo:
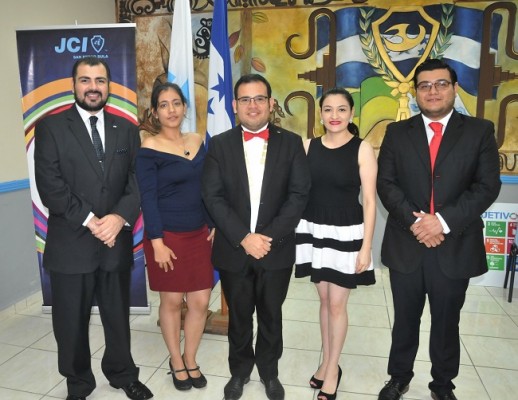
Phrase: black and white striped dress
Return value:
(330, 233)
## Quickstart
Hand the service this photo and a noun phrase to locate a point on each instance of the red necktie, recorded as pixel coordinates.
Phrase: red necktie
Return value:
(263, 135)
(434, 149)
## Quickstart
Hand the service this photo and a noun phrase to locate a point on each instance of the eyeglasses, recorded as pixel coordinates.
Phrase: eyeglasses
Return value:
(258, 100)
(440, 85)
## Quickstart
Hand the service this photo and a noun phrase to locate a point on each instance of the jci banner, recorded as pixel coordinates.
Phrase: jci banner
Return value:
(45, 58)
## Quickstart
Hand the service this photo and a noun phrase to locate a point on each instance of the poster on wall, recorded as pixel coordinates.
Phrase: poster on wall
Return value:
(45, 58)
(500, 226)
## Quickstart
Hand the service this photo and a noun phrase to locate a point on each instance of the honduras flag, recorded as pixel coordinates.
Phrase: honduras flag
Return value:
(352, 65)
(463, 52)
(181, 70)
(220, 116)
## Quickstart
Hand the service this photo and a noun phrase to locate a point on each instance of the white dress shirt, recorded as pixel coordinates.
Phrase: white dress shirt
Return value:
(255, 155)
(85, 116)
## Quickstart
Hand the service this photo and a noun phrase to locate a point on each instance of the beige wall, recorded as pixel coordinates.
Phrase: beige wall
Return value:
(26, 14)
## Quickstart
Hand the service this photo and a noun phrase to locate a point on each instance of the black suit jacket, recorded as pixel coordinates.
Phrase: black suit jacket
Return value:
(284, 194)
(72, 184)
(466, 183)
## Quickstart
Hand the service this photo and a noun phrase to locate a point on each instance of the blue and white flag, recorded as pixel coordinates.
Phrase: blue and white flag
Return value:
(220, 115)
(462, 52)
(181, 69)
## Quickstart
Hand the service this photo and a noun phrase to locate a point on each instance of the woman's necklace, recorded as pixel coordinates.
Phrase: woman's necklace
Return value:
(182, 146)
(186, 152)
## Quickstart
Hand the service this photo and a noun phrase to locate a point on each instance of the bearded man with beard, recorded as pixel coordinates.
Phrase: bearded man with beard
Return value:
(84, 167)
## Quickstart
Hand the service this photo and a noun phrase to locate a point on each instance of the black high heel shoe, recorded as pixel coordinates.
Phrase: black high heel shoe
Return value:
(315, 383)
(184, 384)
(326, 396)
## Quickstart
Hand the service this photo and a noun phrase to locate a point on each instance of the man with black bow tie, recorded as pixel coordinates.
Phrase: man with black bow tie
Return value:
(255, 186)
(84, 164)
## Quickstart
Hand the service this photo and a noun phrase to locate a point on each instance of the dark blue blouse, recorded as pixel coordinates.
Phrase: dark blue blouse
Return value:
(170, 190)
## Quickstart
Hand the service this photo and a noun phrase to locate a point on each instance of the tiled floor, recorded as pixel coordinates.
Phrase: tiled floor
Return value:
(489, 332)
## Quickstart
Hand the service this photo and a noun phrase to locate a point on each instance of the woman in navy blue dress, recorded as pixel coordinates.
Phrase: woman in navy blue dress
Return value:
(177, 242)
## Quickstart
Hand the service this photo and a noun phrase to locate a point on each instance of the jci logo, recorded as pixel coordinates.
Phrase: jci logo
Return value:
(76, 45)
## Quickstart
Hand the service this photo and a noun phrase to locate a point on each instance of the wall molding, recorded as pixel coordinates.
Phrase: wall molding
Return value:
(13, 186)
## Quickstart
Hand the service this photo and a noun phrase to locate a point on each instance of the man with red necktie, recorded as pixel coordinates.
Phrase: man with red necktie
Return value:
(255, 186)
(438, 172)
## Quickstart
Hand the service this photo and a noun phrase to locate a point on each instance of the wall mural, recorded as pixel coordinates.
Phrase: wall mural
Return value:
(304, 47)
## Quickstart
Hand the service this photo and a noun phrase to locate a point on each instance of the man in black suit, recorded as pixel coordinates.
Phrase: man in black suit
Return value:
(92, 197)
(255, 186)
(433, 242)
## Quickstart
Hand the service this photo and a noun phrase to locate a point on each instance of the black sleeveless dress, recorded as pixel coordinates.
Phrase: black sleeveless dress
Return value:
(330, 233)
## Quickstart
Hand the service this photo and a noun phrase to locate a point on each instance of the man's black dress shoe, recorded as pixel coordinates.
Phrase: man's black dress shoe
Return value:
(234, 387)
(74, 397)
(274, 389)
(444, 396)
(393, 390)
(136, 391)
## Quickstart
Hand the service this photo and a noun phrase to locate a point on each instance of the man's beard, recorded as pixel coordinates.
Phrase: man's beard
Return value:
(87, 107)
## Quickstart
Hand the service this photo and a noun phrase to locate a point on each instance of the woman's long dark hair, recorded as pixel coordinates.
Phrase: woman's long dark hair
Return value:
(352, 127)
(155, 94)
(162, 88)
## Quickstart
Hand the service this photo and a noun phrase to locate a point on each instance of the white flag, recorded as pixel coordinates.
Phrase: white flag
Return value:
(181, 69)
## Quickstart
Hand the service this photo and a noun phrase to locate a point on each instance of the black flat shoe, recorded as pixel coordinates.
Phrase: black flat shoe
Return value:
(200, 381)
(74, 397)
(315, 383)
(326, 396)
(184, 384)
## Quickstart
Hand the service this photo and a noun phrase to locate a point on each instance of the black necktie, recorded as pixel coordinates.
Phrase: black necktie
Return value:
(96, 140)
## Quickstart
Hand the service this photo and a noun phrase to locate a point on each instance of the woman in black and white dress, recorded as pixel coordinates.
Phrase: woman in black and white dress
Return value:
(334, 236)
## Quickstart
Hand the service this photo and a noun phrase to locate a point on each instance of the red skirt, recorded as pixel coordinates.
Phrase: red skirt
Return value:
(192, 268)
